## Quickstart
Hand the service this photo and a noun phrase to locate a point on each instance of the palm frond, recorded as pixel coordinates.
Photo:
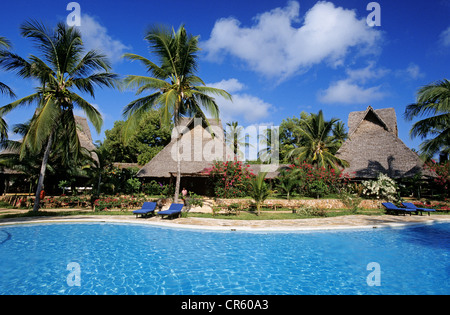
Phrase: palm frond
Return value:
(91, 112)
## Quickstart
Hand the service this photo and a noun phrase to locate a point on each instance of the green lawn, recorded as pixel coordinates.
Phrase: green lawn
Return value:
(282, 214)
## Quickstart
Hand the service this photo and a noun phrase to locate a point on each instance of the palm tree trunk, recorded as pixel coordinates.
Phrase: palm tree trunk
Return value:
(42, 173)
(177, 183)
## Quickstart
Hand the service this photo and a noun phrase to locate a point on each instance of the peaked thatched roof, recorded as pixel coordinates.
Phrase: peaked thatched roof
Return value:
(84, 134)
(373, 147)
(198, 151)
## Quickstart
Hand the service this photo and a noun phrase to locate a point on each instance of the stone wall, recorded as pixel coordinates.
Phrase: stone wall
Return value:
(316, 203)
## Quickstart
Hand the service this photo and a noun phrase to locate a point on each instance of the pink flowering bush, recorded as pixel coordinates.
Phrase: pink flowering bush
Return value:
(443, 175)
(316, 181)
(231, 179)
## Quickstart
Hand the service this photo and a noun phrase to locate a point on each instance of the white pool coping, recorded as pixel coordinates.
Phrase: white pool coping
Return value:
(228, 227)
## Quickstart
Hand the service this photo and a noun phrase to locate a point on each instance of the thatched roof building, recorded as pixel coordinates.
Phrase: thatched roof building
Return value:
(373, 147)
(198, 151)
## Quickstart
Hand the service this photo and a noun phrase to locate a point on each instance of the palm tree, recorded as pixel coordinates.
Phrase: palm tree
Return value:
(269, 142)
(259, 191)
(173, 84)
(4, 45)
(4, 89)
(63, 69)
(316, 146)
(432, 100)
(339, 134)
(287, 182)
(235, 140)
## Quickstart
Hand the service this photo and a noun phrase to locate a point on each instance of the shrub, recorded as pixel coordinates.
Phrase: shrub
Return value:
(443, 175)
(311, 211)
(382, 188)
(316, 181)
(153, 188)
(230, 179)
(351, 201)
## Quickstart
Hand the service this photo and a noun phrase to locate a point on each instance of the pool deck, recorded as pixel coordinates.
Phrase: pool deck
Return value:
(331, 223)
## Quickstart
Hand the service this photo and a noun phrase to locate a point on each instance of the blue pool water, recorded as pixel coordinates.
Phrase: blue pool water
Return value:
(141, 259)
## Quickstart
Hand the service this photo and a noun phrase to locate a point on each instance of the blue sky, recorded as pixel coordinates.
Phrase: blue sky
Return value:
(277, 58)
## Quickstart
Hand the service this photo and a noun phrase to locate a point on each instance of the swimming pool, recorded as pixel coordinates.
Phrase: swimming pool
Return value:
(103, 258)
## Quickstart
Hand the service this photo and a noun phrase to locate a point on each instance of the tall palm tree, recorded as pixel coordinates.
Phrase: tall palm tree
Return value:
(316, 146)
(173, 84)
(235, 139)
(433, 100)
(4, 89)
(339, 134)
(64, 68)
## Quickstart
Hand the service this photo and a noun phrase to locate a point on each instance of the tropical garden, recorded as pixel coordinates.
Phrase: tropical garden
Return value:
(50, 158)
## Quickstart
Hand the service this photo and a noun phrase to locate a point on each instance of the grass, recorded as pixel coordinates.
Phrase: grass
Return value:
(282, 214)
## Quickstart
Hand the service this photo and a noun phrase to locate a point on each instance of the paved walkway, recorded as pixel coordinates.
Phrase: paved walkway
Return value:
(342, 222)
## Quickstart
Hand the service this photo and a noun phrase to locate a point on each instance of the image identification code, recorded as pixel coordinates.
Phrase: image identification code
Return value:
(229, 305)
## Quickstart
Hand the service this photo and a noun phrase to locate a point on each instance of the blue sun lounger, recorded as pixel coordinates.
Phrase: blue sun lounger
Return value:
(147, 208)
(174, 210)
(410, 205)
(390, 207)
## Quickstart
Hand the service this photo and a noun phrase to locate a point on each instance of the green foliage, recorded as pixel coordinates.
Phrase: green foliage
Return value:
(173, 85)
(259, 190)
(442, 180)
(286, 182)
(63, 71)
(433, 100)
(350, 200)
(313, 181)
(133, 185)
(315, 145)
(120, 180)
(149, 138)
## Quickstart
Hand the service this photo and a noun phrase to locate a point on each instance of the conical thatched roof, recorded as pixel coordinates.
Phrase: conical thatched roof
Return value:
(198, 150)
(373, 147)
(84, 135)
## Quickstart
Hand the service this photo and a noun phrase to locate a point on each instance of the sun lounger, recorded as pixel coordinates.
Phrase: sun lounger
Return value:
(390, 207)
(147, 208)
(410, 205)
(174, 210)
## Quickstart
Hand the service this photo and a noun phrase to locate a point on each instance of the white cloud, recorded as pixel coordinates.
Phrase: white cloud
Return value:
(231, 85)
(364, 74)
(350, 91)
(246, 106)
(445, 37)
(413, 71)
(95, 36)
(274, 47)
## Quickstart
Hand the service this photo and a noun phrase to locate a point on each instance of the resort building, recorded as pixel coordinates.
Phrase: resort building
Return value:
(199, 146)
(373, 147)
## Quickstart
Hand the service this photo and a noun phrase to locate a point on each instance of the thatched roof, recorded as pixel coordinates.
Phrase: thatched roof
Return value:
(84, 134)
(198, 150)
(373, 147)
